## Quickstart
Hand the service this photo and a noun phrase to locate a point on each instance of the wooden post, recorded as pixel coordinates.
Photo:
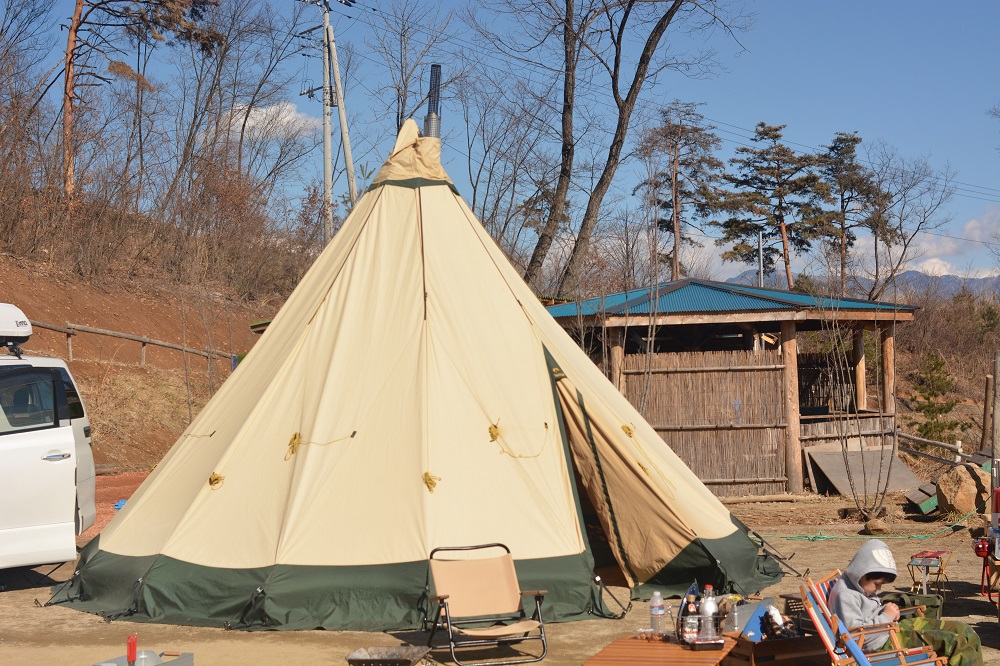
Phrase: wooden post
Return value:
(888, 370)
(617, 342)
(793, 446)
(142, 361)
(995, 438)
(987, 413)
(860, 389)
(69, 346)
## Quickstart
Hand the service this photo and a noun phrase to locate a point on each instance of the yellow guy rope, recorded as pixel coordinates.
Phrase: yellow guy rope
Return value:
(296, 441)
(494, 431)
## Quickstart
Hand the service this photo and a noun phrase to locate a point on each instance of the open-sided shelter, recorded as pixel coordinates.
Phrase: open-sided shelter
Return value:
(715, 368)
(412, 393)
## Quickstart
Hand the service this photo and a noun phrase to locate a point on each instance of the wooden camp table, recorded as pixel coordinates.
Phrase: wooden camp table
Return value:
(636, 651)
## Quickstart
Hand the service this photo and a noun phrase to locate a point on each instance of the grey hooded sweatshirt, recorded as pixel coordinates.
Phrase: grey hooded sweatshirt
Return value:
(852, 606)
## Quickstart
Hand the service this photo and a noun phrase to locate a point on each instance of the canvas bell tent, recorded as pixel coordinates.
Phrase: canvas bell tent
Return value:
(412, 393)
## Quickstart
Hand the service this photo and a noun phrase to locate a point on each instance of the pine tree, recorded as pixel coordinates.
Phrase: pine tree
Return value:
(850, 182)
(684, 191)
(932, 383)
(776, 193)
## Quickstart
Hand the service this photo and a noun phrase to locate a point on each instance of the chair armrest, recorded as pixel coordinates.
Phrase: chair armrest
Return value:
(871, 628)
(439, 597)
(859, 633)
(534, 593)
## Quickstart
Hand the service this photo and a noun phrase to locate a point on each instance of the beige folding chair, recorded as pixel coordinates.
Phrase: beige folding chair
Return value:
(478, 603)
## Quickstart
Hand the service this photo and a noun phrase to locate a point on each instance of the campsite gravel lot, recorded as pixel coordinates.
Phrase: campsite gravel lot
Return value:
(33, 634)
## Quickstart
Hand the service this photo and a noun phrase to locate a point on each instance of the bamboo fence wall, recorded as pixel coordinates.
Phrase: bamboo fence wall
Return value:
(721, 412)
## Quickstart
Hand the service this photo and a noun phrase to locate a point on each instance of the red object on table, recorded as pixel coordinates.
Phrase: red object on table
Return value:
(636, 651)
(130, 646)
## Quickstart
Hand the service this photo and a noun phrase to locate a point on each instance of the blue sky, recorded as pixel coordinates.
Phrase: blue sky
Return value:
(912, 73)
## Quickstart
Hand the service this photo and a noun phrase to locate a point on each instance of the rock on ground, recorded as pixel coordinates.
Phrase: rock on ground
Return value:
(963, 489)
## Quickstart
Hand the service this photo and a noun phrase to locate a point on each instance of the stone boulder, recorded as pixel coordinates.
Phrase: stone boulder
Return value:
(877, 527)
(963, 489)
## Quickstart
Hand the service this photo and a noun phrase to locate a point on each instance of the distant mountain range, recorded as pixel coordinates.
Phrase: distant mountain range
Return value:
(908, 282)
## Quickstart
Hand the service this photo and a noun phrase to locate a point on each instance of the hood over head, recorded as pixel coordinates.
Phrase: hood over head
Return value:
(873, 557)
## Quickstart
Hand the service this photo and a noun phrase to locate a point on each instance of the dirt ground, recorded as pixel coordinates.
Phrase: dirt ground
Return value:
(31, 633)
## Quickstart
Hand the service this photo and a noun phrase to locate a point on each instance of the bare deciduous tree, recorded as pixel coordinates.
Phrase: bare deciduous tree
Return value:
(97, 26)
(908, 200)
(509, 169)
(409, 38)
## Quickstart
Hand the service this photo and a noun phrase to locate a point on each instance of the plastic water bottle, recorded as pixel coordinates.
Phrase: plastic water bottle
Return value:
(709, 609)
(657, 619)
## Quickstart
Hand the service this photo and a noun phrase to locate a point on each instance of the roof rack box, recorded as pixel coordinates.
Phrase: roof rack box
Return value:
(14, 325)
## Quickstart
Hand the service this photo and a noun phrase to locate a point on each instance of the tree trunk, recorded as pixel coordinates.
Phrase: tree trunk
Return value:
(675, 268)
(843, 246)
(843, 262)
(568, 284)
(69, 177)
(786, 255)
(558, 203)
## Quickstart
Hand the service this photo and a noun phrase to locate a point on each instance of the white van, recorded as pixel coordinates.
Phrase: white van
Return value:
(46, 462)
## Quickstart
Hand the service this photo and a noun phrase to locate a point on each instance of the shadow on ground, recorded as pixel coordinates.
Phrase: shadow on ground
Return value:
(24, 578)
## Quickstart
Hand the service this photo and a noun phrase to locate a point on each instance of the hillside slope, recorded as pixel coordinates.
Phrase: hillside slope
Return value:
(137, 412)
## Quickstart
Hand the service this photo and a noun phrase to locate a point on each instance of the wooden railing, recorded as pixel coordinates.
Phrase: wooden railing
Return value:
(69, 330)
(955, 448)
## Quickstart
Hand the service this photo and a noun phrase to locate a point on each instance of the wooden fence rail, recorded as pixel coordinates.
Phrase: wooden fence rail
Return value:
(955, 448)
(69, 330)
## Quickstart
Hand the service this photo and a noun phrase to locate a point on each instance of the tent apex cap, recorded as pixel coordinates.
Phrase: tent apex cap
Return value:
(413, 159)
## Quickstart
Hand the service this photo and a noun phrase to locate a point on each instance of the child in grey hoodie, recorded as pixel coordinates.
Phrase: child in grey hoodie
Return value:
(854, 598)
(855, 602)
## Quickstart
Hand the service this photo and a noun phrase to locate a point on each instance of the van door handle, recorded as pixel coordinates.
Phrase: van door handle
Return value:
(56, 456)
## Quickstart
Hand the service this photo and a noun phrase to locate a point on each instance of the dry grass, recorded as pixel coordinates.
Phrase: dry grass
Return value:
(138, 412)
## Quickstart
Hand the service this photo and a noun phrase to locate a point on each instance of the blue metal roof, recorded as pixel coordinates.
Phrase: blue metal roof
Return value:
(704, 296)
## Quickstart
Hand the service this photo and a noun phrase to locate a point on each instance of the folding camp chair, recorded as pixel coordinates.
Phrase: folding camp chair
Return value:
(478, 603)
(843, 645)
(856, 655)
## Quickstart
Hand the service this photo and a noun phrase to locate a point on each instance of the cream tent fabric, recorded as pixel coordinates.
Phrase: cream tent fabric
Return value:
(412, 393)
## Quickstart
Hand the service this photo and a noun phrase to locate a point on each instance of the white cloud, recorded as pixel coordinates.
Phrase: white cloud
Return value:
(285, 115)
(931, 245)
(985, 228)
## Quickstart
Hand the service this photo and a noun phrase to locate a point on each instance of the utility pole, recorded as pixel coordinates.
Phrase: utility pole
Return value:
(327, 143)
(332, 96)
(331, 48)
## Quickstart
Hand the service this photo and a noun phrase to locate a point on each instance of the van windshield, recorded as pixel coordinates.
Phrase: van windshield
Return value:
(26, 401)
